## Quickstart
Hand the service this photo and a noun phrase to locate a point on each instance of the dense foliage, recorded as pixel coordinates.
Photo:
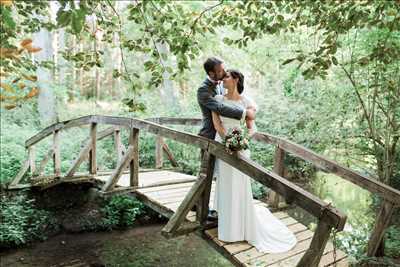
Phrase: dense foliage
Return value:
(121, 211)
(22, 221)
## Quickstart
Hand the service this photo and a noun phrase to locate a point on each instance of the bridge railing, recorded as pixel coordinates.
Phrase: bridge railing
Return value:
(389, 195)
(328, 217)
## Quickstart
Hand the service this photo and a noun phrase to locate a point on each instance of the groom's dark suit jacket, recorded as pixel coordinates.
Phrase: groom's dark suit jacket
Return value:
(205, 98)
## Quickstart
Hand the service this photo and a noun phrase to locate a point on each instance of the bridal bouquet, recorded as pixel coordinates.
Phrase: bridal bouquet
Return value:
(236, 139)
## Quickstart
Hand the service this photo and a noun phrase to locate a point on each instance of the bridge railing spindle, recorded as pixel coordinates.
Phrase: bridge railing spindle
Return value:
(117, 144)
(134, 163)
(159, 152)
(56, 155)
(32, 158)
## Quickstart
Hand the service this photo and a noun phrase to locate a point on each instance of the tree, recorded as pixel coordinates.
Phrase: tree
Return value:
(18, 82)
(46, 98)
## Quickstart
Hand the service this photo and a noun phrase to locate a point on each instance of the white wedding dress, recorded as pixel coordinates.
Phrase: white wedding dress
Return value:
(238, 218)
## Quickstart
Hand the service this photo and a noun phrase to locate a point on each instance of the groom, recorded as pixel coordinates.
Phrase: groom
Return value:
(211, 87)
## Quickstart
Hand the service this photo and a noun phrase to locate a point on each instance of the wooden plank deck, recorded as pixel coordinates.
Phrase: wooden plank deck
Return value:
(167, 198)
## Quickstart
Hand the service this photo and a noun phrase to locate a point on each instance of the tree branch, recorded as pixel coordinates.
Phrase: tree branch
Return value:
(365, 111)
(120, 38)
(386, 115)
(201, 14)
(152, 38)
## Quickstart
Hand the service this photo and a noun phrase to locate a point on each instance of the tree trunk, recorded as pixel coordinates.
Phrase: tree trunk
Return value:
(81, 73)
(97, 70)
(46, 99)
(183, 86)
(71, 85)
(62, 64)
(117, 60)
(96, 47)
(167, 92)
(117, 65)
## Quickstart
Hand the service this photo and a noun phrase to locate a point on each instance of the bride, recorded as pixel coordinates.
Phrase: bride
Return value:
(238, 218)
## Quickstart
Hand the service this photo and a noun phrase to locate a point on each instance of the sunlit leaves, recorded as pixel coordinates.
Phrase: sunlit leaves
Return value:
(6, 2)
(14, 92)
(28, 45)
(18, 83)
(22, 86)
(14, 53)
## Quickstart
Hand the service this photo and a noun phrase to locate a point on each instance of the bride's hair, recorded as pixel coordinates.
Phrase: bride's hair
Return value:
(238, 75)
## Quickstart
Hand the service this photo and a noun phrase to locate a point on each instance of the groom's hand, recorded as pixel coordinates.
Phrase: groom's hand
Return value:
(251, 113)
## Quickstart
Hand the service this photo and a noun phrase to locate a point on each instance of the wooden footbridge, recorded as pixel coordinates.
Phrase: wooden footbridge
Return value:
(173, 194)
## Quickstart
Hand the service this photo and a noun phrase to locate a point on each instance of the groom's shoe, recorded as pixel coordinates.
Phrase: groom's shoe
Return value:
(212, 215)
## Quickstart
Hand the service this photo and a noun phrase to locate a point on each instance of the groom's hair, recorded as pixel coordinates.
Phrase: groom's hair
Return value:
(238, 75)
(210, 64)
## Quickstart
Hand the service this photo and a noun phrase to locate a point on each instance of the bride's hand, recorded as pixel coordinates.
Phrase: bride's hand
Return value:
(250, 113)
(251, 133)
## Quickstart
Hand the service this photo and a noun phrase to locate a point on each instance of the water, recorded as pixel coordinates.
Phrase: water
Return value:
(349, 198)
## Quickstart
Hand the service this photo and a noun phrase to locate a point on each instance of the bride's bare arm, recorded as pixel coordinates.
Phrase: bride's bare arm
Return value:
(250, 126)
(250, 122)
(218, 124)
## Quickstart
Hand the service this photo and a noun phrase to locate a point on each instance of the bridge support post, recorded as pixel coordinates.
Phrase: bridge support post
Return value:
(56, 155)
(207, 168)
(172, 227)
(279, 166)
(314, 253)
(92, 153)
(134, 163)
(381, 223)
(110, 183)
(170, 156)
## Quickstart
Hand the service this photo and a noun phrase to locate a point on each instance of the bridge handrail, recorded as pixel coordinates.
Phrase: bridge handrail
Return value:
(390, 196)
(372, 184)
(288, 190)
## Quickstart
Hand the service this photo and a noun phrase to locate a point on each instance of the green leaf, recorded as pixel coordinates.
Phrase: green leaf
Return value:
(227, 41)
(78, 20)
(116, 73)
(63, 18)
(148, 65)
(7, 18)
(334, 60)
